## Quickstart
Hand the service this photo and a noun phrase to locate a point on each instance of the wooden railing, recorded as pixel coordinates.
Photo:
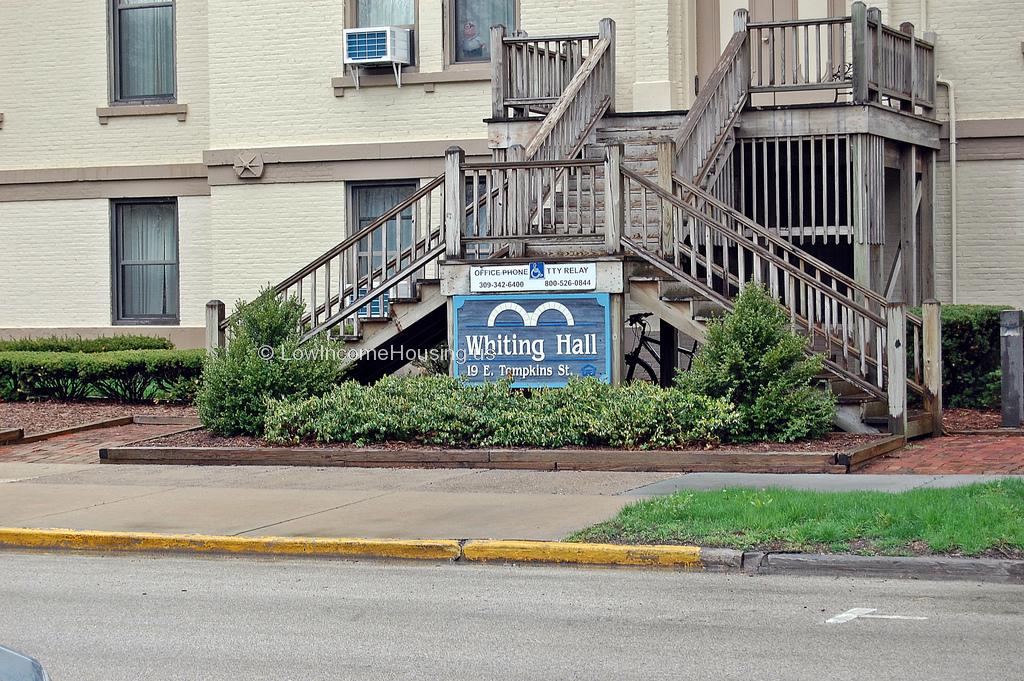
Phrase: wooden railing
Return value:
(718, 250)
(581, 105)
(530, 74)
(511, 202)
(858, 56)
(898, 66)
(803, 54)
(360, 277)
(700, 139)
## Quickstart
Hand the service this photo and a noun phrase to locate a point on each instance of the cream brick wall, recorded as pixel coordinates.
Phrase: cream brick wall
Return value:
(978, 47)
(990, 243)
(42, 286)
(263, 233)
(54, 76)
(55, 262)
(274, 87)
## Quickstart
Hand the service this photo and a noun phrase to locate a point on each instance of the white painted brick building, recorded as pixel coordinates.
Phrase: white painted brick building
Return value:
(267, 78)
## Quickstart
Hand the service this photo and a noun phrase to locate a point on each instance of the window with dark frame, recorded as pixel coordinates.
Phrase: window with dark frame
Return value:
(369, 202)
(142, 35)
(471, 22)
(145, 261)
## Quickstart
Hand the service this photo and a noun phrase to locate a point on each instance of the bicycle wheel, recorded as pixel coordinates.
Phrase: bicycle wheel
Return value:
(640, 370)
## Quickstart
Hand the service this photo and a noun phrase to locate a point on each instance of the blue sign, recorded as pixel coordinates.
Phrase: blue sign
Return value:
(537, 340)
(536, 270)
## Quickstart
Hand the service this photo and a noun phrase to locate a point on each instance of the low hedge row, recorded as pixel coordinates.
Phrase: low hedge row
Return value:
(129, 375)
(438, 410)
(105, 344)
(970, 355)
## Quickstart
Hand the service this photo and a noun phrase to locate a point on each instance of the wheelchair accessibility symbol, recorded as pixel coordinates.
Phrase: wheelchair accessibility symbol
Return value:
(536, 270)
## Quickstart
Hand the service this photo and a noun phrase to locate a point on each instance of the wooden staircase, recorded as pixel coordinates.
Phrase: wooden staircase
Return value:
(654, 189)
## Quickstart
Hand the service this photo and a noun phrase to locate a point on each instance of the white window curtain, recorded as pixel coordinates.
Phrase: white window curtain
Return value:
(472, 26)
(148, 259)
(385, 13)
(372, 201)
(145, 40)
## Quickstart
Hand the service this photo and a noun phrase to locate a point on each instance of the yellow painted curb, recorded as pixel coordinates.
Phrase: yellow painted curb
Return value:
(581, 554)
(89, 540)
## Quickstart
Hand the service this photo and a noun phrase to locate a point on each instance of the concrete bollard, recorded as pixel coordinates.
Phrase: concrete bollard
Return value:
(1012, 354)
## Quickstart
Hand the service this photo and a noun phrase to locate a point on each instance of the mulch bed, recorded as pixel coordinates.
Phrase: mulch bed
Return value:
(42, 417)
(833, 443)
(971, 419)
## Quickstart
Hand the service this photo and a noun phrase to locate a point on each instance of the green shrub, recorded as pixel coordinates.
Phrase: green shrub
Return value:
(129, 375)
(264, 361)
(970, 355)
(105, 344)
(440, 410)
(753, 360)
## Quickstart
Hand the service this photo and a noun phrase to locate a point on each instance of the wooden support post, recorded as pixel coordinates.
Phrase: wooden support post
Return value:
(861, 52)
(1011, 342)
(615, 210)
(740, 19)
(454, 202)
(606, 29)
(908, 222)
(666, 166)
(517, 202)
(617, 317)
(926, 227)
(911, 65)
(931, 343)
(669, 351)
(896, 353)
(875, 19)
(214, 319)
(499, 72)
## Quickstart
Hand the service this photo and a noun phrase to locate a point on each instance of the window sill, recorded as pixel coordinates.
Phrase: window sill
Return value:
(146, 321)
(105, 113)
(427, 80)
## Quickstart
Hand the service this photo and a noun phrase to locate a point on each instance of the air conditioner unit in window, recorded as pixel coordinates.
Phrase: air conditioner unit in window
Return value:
(380, 46)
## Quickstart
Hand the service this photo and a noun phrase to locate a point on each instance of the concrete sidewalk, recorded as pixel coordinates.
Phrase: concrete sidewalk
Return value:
(360, 502)
(331, 502)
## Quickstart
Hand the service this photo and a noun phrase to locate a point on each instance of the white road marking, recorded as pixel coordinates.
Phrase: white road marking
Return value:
(866, 613)
(851, 614)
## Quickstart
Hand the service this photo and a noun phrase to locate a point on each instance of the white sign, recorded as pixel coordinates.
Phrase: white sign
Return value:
(534, 276)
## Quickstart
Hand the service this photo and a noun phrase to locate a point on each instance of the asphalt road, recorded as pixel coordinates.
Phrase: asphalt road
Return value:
(177, 617)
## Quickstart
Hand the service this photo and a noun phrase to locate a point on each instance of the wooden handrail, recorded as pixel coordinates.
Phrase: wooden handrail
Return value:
(523, 165)
(350, 241)
(363, 233)
(514, 40)
(778, 241)
(560, 108)
(731, 235)
(708, 90)
(786, 23)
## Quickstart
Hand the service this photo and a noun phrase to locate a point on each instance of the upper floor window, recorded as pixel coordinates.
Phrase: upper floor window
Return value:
(471, 26)
(369, 13)
(373, 13)
(142, 32)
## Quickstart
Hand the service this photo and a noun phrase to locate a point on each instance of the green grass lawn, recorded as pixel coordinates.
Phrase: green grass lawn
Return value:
(983, 519)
